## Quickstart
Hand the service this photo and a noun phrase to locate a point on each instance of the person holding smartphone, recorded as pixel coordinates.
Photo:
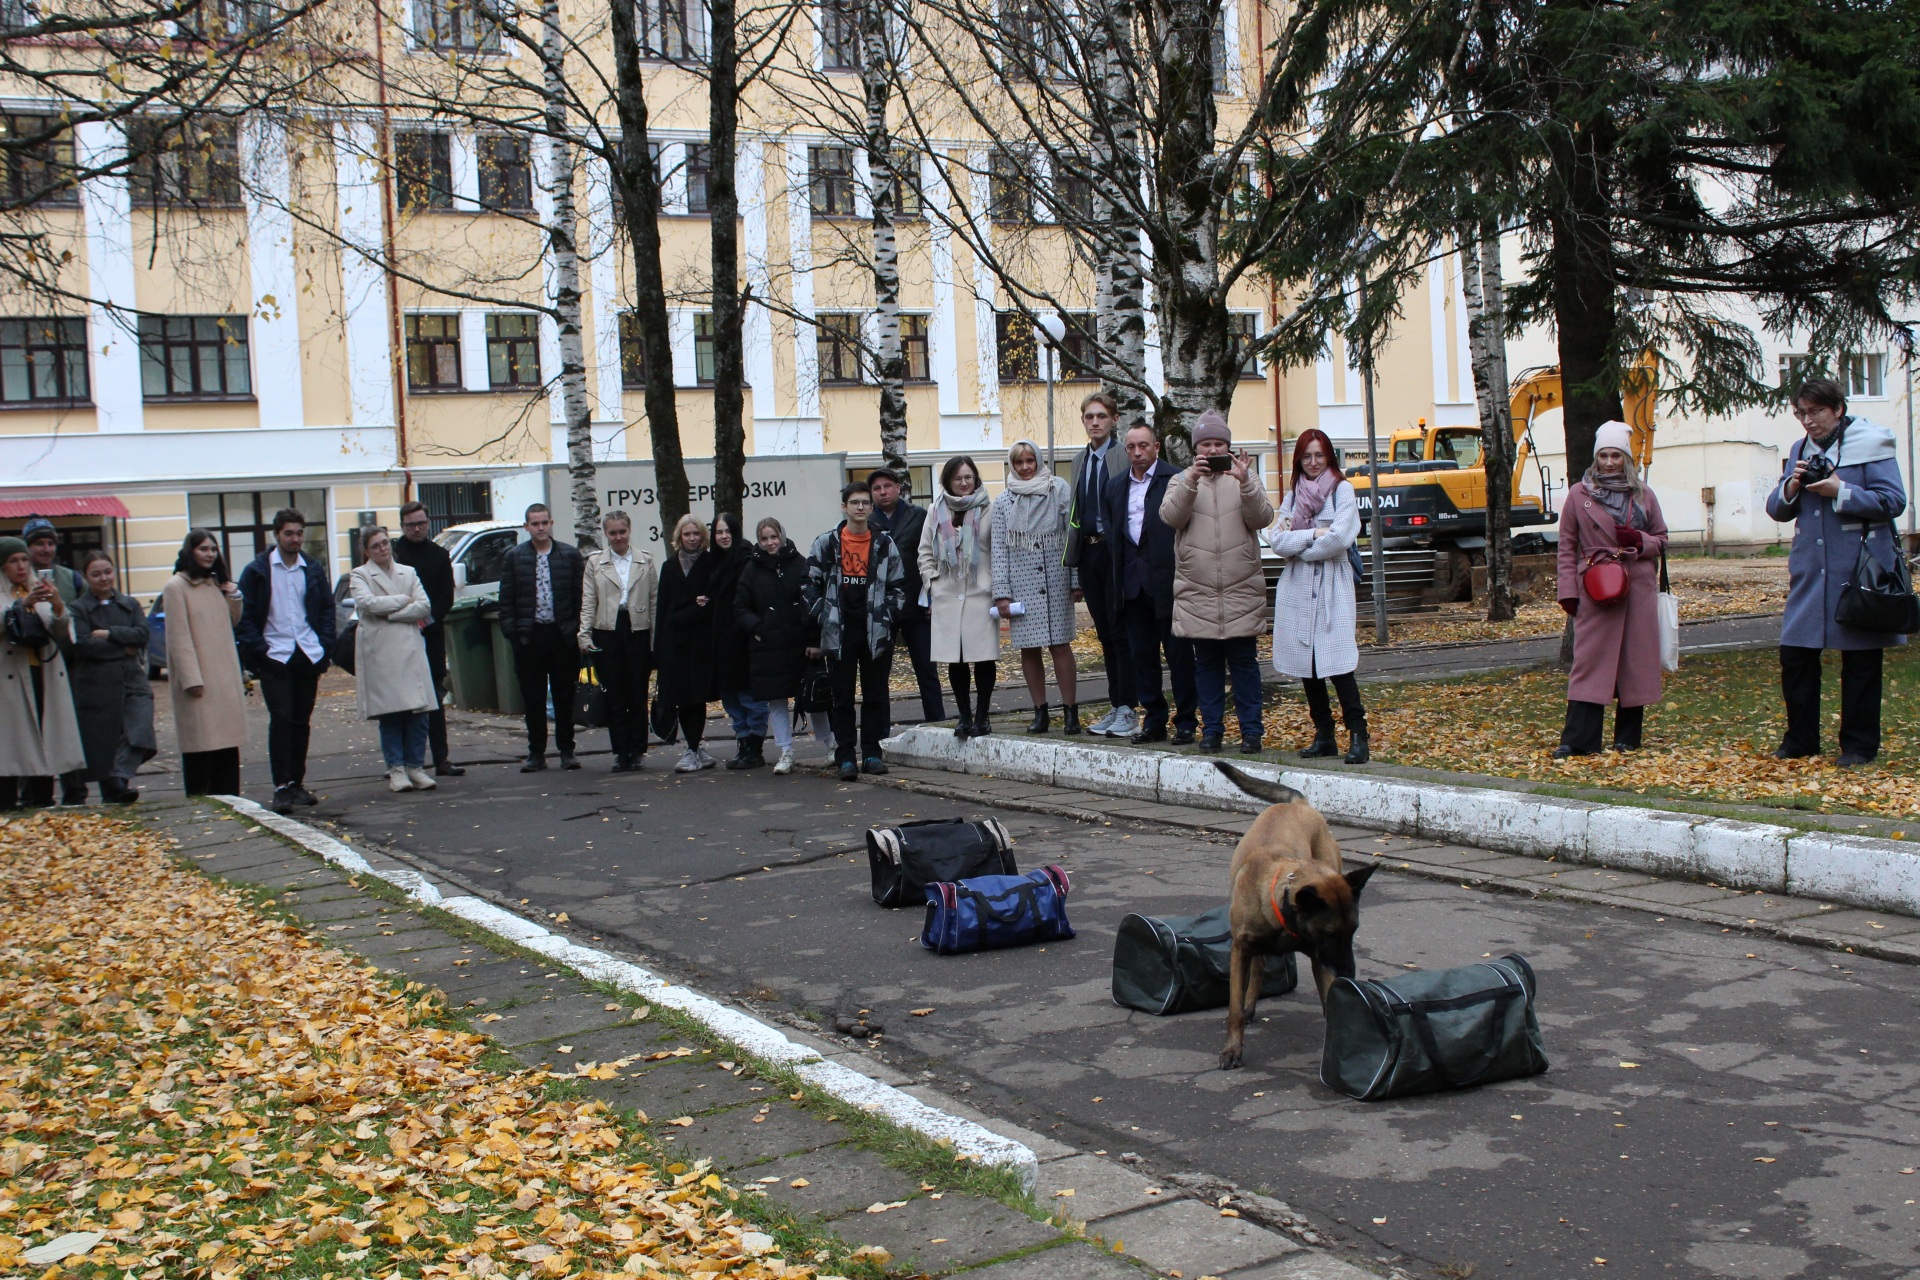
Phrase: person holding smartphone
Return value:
(39, 733)
(1217, 509)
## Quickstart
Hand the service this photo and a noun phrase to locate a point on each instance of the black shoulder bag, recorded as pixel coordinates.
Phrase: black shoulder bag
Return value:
(1877, 598)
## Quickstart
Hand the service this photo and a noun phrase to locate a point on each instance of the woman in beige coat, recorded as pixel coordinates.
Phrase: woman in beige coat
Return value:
(39, 733)
(1217, 509)
(203, 668)
(390, 659)
(956, 566)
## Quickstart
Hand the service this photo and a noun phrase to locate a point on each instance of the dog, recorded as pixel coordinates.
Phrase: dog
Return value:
(1290, 893)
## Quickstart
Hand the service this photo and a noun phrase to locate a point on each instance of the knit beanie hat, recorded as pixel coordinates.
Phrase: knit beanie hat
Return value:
(1212, 426)
(1613, 435)
(37, 527)
(10, 547)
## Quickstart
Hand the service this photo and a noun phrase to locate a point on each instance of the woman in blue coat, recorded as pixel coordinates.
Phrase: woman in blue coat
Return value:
(1841, 484)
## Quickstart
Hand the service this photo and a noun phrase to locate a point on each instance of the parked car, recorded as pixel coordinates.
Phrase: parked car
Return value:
(342, 603)
(157, 641)
(479, 552)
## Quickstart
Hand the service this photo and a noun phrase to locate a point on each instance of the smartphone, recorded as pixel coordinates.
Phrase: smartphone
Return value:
(1219, 462)
(45, 575)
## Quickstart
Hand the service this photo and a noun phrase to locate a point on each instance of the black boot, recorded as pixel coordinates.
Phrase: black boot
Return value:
(982, 715)
(748, 756)
(1323, 743)
(963, 728)
(1357, 752)
(1070, 715)
(1042, 721)
(1321, 710)
(1355, 714)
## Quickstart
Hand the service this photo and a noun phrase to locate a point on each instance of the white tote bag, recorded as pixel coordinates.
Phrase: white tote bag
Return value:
(1669, 611)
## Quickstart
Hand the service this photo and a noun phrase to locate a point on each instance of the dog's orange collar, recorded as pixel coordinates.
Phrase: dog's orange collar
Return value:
(1283, 911)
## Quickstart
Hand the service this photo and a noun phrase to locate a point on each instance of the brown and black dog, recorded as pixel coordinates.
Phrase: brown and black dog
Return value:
(1290, 893)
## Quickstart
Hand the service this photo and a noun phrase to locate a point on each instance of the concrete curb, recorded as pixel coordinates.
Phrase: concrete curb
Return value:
(964, 1137)
(1881, 875)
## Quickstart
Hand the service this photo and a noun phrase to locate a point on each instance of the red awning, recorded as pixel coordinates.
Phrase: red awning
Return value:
(21, 508)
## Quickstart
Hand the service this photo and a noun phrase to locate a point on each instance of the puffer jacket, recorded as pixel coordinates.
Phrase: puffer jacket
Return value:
(519, 591)
(770, 609)
(1219, 591)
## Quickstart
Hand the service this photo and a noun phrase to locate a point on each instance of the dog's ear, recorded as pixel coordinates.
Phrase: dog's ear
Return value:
(1357, 880)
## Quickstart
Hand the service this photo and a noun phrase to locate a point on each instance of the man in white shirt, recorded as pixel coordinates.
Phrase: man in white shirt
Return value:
(1142, 579)
(616, 634)
(285, 630)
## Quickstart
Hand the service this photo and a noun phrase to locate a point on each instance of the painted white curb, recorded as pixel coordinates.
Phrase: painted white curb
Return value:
(838, 1080)
(1883, 875)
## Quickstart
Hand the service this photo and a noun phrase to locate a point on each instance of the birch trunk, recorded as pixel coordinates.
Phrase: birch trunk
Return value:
(562, 229)
(1487, 343)
(639, 188)
(1120, 285)
(723, 211)
(890, 365)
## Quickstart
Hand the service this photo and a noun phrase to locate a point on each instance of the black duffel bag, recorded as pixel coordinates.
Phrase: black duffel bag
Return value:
(1423, 1032)
(907, 858)
(1178, 964)
(346, 648)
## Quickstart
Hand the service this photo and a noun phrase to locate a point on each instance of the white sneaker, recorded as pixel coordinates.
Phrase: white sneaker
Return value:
(397, 779)
(689, 762)
(1125, 724)
(421, 779)
(1105, 723)
(786, 762)
(706, 761)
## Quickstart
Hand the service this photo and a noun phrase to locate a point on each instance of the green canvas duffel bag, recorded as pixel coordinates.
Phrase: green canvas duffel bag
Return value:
(1178, 964)
(1423, 1032)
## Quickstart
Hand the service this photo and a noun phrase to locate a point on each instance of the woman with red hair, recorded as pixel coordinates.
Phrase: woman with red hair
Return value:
(1313, 605)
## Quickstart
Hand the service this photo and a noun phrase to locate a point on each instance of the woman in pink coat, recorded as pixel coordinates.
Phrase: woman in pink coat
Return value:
(1616, 645)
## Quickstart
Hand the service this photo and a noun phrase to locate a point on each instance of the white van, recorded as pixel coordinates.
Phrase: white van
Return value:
(479, 552)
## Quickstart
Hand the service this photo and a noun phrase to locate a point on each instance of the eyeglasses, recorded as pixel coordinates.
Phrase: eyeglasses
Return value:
(1807, 415)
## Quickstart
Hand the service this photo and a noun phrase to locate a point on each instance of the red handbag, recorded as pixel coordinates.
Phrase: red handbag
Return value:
(1605, 578)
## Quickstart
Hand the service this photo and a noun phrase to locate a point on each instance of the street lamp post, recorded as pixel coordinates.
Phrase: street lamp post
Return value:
(1376, 532)
(1056, 330)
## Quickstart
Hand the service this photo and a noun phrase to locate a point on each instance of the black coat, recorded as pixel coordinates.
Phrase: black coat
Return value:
(434, 564)
(770, 609)
(1156, 538)
(518, 590)
(111, 697)
(905, 526)
(683, 632)
(730, 669)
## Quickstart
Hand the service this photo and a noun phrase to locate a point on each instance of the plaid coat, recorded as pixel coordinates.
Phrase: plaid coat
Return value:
(886, 592)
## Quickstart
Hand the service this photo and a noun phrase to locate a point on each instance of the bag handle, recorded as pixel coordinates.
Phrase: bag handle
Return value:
(1665, 589)
(1023, 904)
(1423, 1028)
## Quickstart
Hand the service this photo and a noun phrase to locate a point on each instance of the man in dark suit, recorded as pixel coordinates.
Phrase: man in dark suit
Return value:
(902, 521)
(419, 552)
(1142, 583)
(1090, 550)
(540, 586)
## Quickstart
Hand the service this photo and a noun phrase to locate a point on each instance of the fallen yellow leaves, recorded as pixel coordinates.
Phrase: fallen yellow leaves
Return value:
(189, 1089)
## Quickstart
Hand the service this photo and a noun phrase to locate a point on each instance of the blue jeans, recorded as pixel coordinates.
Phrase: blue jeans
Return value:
(1214, 661)
(403, 739)
(748, 713)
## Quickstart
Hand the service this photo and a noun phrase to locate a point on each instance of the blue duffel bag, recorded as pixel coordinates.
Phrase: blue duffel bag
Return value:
(989, 912)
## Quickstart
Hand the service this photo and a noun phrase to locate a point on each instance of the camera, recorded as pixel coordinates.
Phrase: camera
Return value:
(1818, 467)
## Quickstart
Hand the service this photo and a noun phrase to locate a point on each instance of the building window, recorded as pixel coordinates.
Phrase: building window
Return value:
(659, 188)
(1243, 330)
(506, 173)
(242, 523)
(1222, 64)
(703, 348)
(1866, 375)
(666, 32)
(1795, 368)
(699, 166)
(423, 169)
(839, 36)
(1078, 357)
(513, 350)
(17, 15)
(913, 348)
(1072, 190)
(456, 26)
(1034, 43)
(36, 161)
(433, 353)
(1019, 356)
(905, 183)
(831, 181)
(836, 340)
(1010, 187)
(457, 502)
(219, 19)
(43, 360)
(184, 161)
(633, 356)
(194, 357)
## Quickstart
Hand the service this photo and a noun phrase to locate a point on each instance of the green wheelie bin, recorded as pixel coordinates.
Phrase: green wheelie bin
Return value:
(506, 685)
(469, 656)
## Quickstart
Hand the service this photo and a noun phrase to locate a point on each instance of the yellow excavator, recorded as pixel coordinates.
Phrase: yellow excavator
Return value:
(1433, 486)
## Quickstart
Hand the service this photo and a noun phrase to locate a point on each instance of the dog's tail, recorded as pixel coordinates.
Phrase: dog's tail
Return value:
(1259, 788)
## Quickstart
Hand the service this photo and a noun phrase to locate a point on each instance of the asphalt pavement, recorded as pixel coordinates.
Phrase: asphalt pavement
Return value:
(1720, 1104)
